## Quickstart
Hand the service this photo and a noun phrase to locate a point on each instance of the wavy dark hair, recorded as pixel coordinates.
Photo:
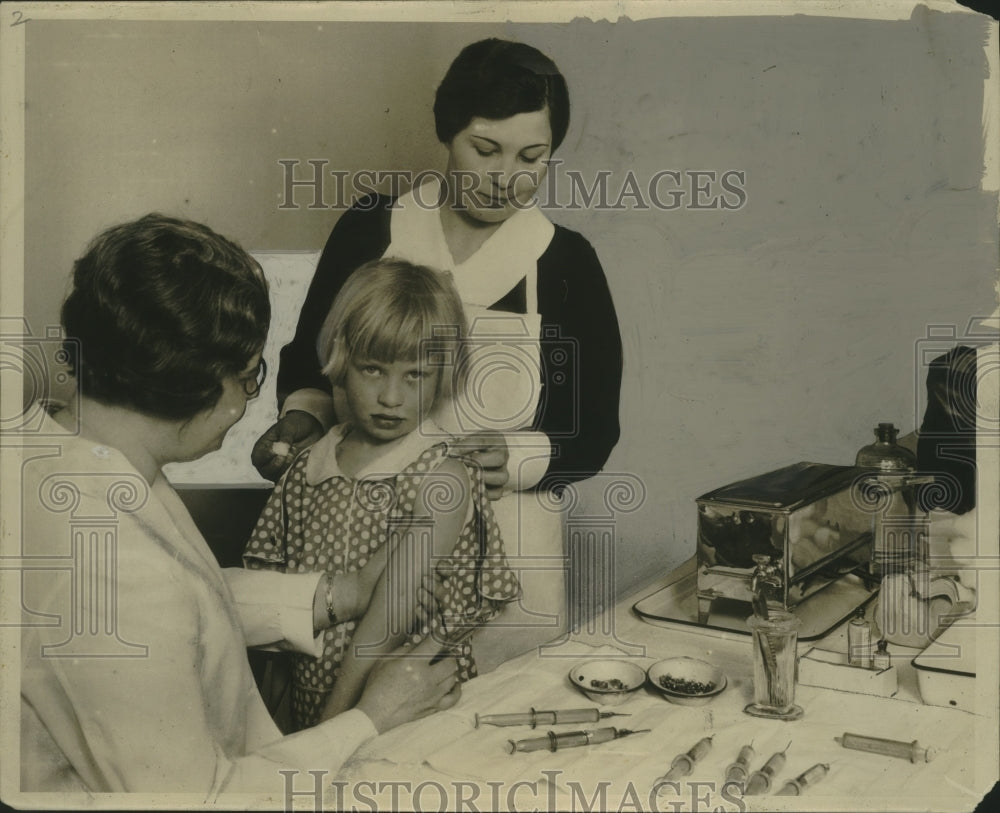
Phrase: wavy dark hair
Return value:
(161, 310)
(497, 79)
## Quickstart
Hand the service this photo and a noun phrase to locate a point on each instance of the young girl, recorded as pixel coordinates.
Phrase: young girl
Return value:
(381, 486)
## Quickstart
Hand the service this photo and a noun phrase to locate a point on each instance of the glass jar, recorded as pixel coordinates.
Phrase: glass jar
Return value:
(774, 645)
(885, 454)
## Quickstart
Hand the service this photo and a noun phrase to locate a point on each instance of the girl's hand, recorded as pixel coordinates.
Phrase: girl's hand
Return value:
(276, 448)
(488, 450)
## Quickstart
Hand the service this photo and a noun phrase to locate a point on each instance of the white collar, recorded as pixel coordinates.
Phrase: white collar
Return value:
(392, 458)
(509, 254)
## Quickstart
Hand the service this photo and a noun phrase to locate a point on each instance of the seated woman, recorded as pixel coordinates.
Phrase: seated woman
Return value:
(134, 666)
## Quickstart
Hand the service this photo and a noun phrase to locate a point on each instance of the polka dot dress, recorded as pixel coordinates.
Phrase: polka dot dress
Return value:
(337, 524)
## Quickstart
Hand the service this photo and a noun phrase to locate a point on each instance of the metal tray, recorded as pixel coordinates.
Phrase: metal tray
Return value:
(677, 604)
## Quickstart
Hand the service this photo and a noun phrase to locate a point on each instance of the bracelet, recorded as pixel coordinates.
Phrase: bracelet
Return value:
(331, 613)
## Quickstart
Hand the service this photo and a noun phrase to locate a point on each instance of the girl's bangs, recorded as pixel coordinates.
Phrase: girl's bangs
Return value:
(408, 337)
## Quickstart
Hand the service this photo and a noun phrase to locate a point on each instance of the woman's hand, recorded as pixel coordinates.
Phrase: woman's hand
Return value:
(276, 448)
(488, 450)
(404, 686)
(348, 594)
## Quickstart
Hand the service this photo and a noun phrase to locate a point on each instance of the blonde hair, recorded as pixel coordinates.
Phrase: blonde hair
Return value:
(390, 310)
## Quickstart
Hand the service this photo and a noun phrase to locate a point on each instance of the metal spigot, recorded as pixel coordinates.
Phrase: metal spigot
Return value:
(766, 574)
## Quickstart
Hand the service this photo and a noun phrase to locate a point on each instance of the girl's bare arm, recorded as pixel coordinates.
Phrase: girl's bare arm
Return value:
(439, 516)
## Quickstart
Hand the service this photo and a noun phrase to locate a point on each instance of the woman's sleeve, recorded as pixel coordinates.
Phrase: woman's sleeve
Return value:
(325, 747)
(361, 234)
(275, 607)
(946, 445)
(142, 721)
(582, 365)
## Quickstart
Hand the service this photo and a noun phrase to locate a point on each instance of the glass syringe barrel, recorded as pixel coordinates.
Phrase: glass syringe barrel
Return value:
(912, 751)
(760, 781)
(684, 763)
(566, 739)
(535, 718)
(739, 770)
(794, 787)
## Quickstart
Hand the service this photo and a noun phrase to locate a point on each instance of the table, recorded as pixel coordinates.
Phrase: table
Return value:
(445, 763)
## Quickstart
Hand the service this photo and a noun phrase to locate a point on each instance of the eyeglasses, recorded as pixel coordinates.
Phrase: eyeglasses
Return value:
(255, 380)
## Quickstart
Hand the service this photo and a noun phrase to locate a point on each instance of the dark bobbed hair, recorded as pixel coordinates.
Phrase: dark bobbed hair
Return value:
(392, 310)
(497, 79)
(161, 310)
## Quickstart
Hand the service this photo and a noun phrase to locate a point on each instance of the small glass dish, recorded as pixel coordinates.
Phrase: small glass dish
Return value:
(608, 682)
(687, 681)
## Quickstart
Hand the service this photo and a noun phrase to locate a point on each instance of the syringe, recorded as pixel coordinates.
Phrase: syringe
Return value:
(738, 771)
(570, 739)
(912, 751)
(795, 787)
(760, 781)
(683, 764)
(553, 717)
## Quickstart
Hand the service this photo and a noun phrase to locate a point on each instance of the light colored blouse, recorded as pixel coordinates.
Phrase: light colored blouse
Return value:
(134, 668)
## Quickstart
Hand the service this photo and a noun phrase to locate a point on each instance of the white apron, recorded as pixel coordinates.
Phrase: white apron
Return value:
(504, 371)
(502, 393)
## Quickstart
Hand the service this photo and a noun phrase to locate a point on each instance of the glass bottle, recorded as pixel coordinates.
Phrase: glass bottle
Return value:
(881, 659)
(895, 532)
(885, 454)
(859, 640)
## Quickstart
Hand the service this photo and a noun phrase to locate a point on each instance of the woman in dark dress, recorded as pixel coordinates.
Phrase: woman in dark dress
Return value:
(542, 410)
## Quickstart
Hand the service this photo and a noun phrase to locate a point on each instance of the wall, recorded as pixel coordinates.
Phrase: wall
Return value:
(780, 331)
